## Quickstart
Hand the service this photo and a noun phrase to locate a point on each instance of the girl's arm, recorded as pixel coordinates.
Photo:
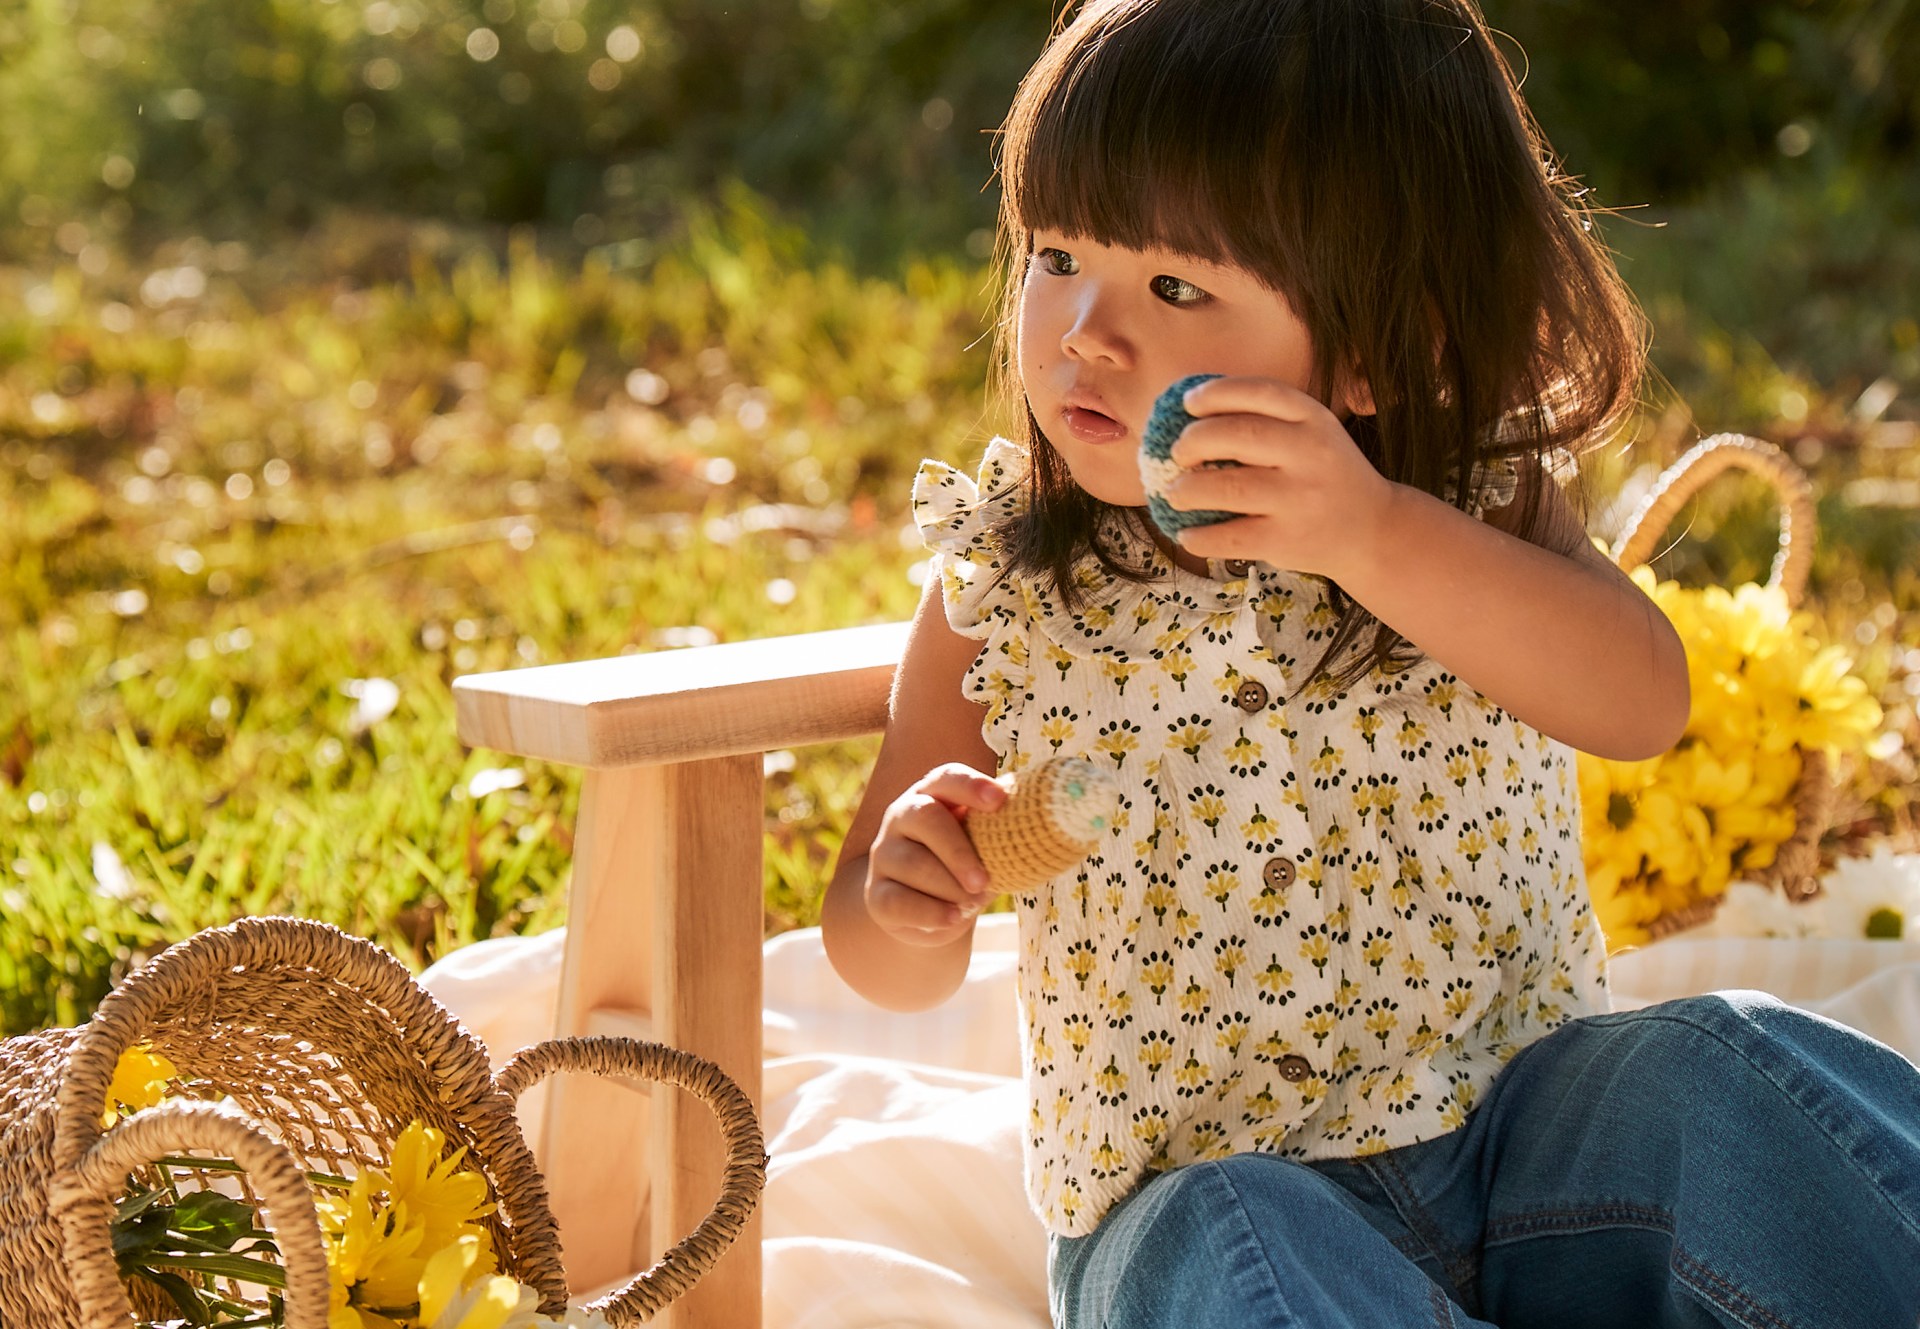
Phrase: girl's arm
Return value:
(906, 860)
(1558, 636)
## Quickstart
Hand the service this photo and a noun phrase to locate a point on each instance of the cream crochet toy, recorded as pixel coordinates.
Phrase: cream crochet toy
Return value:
(1055, 814)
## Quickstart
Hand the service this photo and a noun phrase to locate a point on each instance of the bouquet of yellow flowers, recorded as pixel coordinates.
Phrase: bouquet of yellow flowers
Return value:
(404, 1244)
(1666, 835)
(1744, 790)
(273, 1124)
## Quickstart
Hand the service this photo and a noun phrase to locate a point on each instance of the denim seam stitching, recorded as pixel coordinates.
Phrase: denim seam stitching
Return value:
(1699, 1278)
(1458, 1267)
(1731, 1299)
(1609, 1212)
(1906, 1220)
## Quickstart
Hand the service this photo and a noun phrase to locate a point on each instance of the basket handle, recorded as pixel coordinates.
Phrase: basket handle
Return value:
(1709, 457)
(746, 1166)
(82, 1196)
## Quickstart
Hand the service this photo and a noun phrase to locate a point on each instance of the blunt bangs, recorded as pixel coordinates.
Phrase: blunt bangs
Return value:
(1157, 127)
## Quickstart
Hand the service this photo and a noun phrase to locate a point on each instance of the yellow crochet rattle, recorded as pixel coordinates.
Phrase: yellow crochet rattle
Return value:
(1055, 813)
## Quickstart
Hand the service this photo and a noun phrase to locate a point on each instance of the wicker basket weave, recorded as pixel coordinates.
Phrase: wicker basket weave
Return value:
(322, 1047)
(1795, 870)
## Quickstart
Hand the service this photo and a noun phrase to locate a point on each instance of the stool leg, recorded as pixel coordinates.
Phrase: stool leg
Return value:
(665, 920)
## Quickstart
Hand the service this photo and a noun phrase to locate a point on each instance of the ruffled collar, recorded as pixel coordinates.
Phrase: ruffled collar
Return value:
(1117, 614)
(1113, 613)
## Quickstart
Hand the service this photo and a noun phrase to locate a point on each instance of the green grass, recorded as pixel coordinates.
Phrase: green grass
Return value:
(231, 511)
(396, 458)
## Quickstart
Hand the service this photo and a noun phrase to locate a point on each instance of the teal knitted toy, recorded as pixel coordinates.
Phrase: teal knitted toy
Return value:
(1157, 467)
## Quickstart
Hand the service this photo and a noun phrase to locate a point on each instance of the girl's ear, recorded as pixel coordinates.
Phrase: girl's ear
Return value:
(1356, 394)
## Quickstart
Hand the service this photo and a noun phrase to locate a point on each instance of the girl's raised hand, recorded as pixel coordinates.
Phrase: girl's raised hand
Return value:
(925, 883)
(1310, 500)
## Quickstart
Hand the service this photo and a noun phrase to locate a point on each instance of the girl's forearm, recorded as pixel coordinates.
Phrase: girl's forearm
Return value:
(886, 972)
(1570, 647)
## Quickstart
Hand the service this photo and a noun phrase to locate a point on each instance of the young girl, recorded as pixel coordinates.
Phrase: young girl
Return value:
(1320, 1034)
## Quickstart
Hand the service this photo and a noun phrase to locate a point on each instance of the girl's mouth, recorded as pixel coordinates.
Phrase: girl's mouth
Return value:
(1091, 426)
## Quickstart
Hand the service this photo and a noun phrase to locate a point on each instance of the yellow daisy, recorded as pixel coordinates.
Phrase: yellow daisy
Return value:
(140, 1080)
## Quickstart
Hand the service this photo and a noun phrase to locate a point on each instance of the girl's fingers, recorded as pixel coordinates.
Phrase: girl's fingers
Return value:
(934, 810)
(961, 786)
(1245, 489)
(1243, 537)
(1249, 395)
(919, 868)
(911, 916)
(1250, 440)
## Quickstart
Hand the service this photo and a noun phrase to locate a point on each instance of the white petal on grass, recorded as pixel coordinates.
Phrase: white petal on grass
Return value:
(374, 700)
(678, 637)
(492, 781)
(110, 876)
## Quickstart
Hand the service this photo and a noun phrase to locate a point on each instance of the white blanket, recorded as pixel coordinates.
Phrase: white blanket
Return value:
(894, 1193)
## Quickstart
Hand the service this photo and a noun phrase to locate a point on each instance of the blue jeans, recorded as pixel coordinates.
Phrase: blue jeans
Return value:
(1718, 1160)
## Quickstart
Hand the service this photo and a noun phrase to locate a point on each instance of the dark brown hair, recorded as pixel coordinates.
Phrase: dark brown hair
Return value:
(1373, 162)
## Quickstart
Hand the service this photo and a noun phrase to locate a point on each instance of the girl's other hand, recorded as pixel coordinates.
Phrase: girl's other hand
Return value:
(1311, 501)
(925, 883)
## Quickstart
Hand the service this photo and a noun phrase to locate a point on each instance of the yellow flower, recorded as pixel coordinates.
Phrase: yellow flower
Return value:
(433, 1191)
(458, 1291)
(140, 1080)
(374, 1259)
(1837, 707)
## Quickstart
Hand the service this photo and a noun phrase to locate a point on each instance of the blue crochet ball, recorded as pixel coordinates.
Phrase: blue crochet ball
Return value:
(1157, 469)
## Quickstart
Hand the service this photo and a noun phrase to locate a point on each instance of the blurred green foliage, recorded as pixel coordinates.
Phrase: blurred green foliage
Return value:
(224, 114)
(1661, 103)
(1763, 156)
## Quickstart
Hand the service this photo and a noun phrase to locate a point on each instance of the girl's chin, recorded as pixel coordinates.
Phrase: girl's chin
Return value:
(1118, 494)
(1117, 485)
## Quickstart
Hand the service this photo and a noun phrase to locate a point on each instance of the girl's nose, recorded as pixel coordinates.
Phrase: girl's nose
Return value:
(1094, 333)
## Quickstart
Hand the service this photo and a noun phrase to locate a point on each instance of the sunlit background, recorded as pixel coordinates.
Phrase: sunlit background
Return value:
(346, 348)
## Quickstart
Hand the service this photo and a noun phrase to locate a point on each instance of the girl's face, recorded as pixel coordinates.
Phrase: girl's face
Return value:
(1104, 331)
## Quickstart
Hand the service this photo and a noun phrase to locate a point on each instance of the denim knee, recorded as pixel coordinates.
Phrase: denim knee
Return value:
(1778, 1151)
(1791, 1047)
(1158, 1258)
(1248, 1241)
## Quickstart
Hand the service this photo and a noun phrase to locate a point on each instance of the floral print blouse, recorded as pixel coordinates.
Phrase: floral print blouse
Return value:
(1316, 929)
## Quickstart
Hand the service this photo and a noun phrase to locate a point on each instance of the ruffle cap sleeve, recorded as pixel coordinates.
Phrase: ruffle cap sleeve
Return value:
(955, 516)
(1495, 481)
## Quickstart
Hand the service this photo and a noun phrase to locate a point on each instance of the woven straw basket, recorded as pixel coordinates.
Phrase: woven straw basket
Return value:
(1796, 866)
(324, 1048)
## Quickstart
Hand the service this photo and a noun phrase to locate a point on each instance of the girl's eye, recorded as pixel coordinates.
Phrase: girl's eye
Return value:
(1056, 261)
(1178, 291)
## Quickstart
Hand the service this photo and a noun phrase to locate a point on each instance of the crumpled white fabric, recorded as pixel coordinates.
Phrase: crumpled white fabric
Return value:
(1873, 986)
(894, 1194)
